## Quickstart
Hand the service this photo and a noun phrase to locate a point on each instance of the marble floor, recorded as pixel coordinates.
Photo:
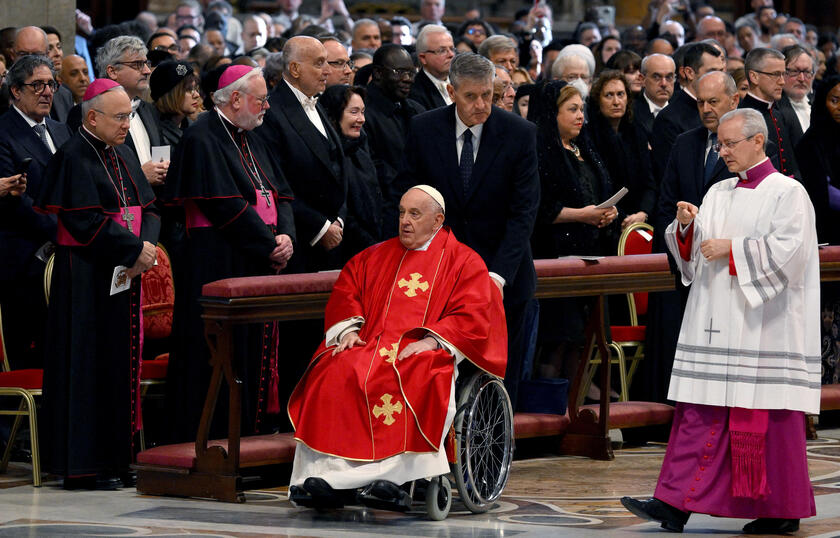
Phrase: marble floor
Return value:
(546, 496)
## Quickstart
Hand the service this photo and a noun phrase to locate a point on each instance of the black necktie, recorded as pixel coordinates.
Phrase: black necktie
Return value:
(711, 159)
(41, 129)
(466, 164)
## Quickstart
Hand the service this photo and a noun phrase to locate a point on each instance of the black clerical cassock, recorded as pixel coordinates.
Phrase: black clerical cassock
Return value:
(105, 207)
(236, 200)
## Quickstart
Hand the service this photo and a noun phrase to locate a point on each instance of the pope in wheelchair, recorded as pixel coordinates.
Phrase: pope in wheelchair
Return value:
(374, 411)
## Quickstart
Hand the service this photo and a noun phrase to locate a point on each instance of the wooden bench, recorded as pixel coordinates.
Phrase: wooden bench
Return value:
(211, 468)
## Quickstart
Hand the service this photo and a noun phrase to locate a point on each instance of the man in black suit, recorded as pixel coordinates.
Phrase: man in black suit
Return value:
(681, 113)
(26, 237)
(123, 59)
(435, 50)
(660, 73)
(693, 167)
(388, 113)
(484, 162)
(308, 151)
(765, 70)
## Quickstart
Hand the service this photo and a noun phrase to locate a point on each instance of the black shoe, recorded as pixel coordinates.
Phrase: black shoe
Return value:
(107, 483)
(300, 497)
(385, 495)
(767, 525)
(672, 519)
(129, 478)
(324, 496)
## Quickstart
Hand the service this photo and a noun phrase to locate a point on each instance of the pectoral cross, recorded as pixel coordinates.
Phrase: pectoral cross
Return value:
(710, 330)
(391, 354)
(127, 216)
(413, 284)
(387, 409)
(265, 193)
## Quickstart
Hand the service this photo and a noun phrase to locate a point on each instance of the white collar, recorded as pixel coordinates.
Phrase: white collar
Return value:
(460, 127)
(802, 103)
(222, 114)
(30, 121)
(686, 90)
(425, 246)
(300, 96)
(754, 96)
(438, 82)
(654, 108)
(96, 137)
(743, 174)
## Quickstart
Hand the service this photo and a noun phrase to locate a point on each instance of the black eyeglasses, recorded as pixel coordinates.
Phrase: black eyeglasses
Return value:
(774, 74)
(137, 65)
(170, 48)
(341, 64)
(795, 73)
(39, 85)
(403, 72)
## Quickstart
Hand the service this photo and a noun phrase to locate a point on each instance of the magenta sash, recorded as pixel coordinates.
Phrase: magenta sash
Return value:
(197, 219)
(64, 238)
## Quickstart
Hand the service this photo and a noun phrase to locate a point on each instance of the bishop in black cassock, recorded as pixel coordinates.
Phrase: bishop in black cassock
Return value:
(106, 219)
(239, 223)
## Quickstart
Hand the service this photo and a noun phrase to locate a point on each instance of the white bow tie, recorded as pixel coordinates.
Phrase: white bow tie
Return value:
(309, 103)
(135, 104)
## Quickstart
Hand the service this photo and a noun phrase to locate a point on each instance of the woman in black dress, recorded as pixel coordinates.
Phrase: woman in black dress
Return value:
(175, 92)
(345, 107)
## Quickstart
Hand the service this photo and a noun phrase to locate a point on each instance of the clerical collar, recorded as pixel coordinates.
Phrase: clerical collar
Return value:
(425, 246)
(229, 124)
(30, 121)
(654, 108)
(752, 176)
(97, 142)
(757, 98)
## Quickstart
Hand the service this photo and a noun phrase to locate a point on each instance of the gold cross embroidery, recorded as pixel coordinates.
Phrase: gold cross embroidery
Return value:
(413, 284)
(387, 409)
(391, 354)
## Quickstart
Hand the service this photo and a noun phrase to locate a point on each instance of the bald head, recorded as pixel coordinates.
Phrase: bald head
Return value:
(306, 64)
(717, 94)
(74, 75)
(711, 27)
(30, 40)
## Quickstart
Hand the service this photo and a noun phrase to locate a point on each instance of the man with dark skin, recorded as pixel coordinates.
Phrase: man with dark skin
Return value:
(388, 114)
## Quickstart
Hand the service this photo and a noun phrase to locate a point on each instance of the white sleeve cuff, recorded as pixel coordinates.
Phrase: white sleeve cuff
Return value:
(498, 278)
(338, 331)
(340, 222)
(318, 237)
(449, 348)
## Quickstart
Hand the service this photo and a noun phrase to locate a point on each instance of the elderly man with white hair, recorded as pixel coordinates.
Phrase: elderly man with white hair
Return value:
(401, 316)
(575, 62)
(239, 221)
(747, 366)
(435, 50)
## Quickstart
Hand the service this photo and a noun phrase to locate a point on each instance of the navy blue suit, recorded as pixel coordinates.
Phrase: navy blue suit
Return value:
(679, 116)
(496, 217)
(22, 233)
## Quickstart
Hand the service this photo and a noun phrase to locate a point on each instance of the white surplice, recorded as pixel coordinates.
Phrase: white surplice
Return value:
(751, 340)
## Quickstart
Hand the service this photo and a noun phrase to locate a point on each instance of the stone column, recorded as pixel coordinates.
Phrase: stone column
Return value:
(58, 13)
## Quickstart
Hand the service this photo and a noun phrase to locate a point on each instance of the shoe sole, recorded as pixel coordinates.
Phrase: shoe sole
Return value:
(667, 525)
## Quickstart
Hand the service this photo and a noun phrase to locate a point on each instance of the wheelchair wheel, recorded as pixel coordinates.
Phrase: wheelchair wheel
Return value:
(484, 429)
(438, 498)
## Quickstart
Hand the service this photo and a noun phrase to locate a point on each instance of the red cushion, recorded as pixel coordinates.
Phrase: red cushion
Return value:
(32, 379)
(635, 414)
(627, 333)
(830, 254)
(253, 451)
(527, 425)
(255, 286)
(158, 298)
(609, 265)
(830, 397)
(155, 369)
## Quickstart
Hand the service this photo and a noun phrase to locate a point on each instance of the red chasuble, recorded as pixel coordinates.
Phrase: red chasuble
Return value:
(365, 405)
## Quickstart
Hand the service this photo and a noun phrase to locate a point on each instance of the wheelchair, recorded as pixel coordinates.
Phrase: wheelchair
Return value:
(483, 448)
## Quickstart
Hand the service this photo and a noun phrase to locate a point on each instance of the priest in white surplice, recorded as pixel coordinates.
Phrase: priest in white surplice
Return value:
(747, 365)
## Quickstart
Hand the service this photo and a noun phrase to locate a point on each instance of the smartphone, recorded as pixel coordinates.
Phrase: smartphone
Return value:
(23, 167)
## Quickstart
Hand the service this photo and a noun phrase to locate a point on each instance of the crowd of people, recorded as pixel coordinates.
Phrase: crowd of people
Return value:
(256, 143)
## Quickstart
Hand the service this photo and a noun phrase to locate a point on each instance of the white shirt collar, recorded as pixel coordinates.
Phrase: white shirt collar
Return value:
(305, 102)
(801, 104)
(686, 90)
(30, 121)
(654, 108)
(425, 246)
(222, 114)
(743, 174)
(460, 127)
(438, 82)
(754, 96)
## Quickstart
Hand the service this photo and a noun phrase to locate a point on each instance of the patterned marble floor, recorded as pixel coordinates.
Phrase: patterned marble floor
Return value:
(553, 496)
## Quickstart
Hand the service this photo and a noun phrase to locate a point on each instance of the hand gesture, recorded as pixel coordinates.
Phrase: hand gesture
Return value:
(145, 260)
(282, 252)
(12, 185)
(350, 339)
(715, 249)
(641, 216)
(426, 344)
(686, 212)
(332, 237)
(155, 172)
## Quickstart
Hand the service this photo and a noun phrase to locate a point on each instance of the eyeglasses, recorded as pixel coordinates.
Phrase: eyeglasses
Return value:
(572, 78)
(260, 100)
(341, 64)
(774, 74)
(729, 145)
(403, 72)
(476, 31)
(137, 65)
(170, 48)
(39, 85)
(119, 118)
(657, 77)
(441, 51)
(795, 73)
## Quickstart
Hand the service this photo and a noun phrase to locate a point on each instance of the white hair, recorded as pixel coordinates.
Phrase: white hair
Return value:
(562, 62)
(753, 122)
(222, 96)
(582, 51)
(424, 34)
(776, 40)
